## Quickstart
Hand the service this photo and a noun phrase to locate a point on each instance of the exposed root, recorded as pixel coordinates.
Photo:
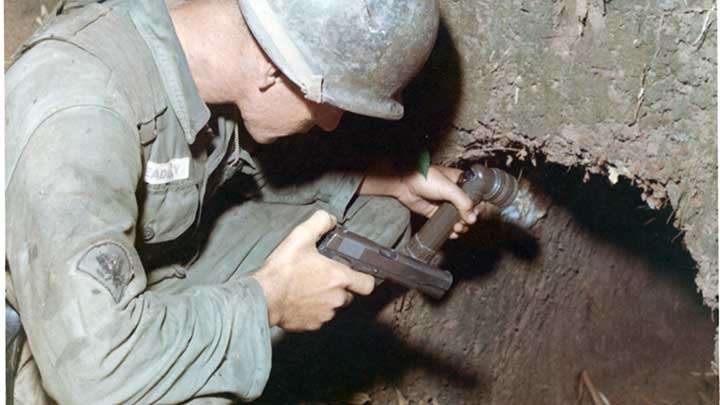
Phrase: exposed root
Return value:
(597, 397)
(640, 97)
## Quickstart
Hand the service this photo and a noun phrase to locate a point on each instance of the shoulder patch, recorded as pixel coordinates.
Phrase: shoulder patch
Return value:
(111, 265)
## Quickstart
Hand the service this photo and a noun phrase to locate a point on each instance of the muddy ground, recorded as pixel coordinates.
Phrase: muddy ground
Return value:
(609, 107)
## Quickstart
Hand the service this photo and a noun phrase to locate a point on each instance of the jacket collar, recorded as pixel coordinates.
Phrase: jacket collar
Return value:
(152, 19)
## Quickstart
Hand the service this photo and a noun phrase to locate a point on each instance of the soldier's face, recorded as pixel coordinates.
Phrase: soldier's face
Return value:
(281, 110)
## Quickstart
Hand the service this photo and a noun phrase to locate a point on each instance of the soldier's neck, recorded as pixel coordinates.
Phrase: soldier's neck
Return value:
(219, 49)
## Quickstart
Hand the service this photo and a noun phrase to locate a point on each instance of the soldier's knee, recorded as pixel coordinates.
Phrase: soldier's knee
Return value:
(382, 219)
(396, 209)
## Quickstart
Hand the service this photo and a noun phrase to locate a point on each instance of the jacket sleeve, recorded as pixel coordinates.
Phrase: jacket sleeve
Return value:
(97, 335)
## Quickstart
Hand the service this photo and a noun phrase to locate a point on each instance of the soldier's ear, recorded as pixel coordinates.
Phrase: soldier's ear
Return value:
(269, 77)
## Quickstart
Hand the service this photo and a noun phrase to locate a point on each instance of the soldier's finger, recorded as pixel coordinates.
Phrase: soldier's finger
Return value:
(360, 283)
(431, 211)
(310, 231)
(458, 227)
(451, 192)
(348, 298)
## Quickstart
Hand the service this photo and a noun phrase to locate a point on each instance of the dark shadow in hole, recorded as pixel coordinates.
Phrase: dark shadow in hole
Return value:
(617, 214)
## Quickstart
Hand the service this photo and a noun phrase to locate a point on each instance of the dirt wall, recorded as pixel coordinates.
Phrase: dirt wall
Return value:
(626, 89)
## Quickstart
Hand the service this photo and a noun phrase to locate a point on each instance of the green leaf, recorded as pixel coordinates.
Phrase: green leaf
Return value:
(424, 162)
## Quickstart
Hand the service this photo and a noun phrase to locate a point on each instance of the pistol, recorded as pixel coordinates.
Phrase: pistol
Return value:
(363, 255)
(410, 266)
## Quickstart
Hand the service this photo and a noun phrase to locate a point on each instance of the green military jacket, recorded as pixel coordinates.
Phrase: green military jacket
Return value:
(107, 151)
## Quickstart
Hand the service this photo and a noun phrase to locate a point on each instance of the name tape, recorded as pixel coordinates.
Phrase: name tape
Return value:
(162, 173)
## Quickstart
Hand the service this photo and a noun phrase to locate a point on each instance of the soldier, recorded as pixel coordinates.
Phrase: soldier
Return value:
(111, 159)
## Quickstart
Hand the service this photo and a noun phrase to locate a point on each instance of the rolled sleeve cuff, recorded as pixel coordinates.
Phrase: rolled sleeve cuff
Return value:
(256, 347)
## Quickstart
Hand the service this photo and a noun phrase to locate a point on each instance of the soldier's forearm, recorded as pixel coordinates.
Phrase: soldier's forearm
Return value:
(381, 180)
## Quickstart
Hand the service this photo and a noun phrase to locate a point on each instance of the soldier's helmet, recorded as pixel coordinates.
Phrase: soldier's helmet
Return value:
(356, 55)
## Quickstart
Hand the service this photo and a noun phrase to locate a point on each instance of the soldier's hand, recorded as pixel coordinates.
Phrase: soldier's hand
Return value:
(304, 289)
(424, 195)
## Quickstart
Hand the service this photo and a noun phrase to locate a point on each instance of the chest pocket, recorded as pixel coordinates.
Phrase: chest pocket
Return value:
(173, 180)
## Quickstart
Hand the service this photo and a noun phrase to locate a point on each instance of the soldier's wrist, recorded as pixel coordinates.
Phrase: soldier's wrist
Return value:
(382, 184)
(271, 297)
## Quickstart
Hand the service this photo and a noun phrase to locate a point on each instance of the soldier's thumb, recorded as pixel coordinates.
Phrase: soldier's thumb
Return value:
(319, 223)
(460, 200)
